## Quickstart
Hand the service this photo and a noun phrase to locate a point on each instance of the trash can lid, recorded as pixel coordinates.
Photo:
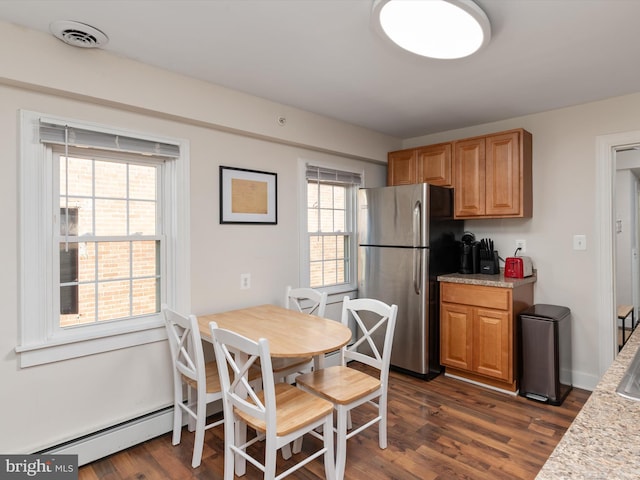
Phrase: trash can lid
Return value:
(544, 311)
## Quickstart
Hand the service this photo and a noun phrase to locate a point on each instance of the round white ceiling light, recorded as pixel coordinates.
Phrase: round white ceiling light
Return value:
(78, 34)
(442, 29)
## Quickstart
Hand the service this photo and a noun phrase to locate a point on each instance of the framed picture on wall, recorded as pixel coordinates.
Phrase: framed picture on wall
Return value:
(248, 196)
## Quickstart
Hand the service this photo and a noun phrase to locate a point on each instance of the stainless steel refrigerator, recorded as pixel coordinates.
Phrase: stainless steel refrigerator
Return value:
(406, 237)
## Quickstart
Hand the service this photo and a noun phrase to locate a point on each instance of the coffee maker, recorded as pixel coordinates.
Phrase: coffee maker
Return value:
(469, 254)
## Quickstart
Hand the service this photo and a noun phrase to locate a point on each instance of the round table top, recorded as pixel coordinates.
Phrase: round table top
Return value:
(290, 333)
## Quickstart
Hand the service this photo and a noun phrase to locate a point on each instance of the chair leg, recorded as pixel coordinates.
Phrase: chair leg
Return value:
(286, 451)
(177, 423)
(229, 456)
(240, 438)
(191, 423)
(297, 445)
(270, 453)
(341, 441)
(382, 426)
(329, 464)
(198, 442)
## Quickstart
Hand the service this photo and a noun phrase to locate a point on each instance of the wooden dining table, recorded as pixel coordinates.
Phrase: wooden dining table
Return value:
(290, 333)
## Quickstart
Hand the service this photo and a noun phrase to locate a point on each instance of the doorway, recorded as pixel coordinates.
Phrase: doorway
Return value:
(627, 267)
(607, 147)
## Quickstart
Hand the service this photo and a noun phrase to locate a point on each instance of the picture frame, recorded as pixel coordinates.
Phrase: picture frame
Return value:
(248, 196)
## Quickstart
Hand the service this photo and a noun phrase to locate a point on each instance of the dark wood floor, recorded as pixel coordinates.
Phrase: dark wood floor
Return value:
(441, 429)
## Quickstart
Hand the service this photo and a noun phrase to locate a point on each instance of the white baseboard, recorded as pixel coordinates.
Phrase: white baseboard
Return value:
(120, 437)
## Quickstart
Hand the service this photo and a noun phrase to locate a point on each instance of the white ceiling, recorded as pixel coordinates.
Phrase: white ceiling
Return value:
(324, 56)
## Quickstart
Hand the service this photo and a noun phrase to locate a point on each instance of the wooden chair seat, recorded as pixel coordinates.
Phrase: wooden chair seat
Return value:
(213, 378)
(338, 384)
(296, 409)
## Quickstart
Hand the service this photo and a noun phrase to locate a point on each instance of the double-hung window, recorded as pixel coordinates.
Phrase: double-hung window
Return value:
(330, 240)
(104, 237)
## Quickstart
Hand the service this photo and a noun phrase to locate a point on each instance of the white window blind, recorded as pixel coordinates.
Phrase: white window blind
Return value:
(329, 175)
(54, 133)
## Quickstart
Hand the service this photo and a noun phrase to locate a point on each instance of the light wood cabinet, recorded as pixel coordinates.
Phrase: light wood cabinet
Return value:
(402, 167)
(429, 164)
(478, 331)
(492, 175)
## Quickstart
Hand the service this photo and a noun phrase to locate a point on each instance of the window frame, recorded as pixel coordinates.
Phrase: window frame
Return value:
(38, 341)
(351, 200)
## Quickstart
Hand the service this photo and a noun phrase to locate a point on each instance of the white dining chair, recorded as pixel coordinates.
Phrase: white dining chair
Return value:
(348, 388)
(279, 412)
(304, 300)
(190, 370)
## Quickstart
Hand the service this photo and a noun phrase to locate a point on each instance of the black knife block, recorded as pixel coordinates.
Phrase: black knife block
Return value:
(490, 266)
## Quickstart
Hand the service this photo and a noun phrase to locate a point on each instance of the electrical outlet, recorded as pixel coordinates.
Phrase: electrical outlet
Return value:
(522, 245)
(245, 281)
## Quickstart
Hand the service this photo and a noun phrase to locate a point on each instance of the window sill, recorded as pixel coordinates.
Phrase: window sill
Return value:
(40, 354)
(339, 290)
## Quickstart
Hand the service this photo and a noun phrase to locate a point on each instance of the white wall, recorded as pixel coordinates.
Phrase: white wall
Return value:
(564, 204)
(45, 405)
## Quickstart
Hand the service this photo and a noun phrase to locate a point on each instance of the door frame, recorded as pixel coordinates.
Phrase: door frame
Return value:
(606, 147)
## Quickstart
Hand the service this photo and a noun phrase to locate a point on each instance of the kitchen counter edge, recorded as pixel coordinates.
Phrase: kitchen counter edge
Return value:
(482, 279)
(602, 441)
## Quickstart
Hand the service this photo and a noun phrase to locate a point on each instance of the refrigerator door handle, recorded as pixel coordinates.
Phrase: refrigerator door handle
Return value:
(417, 252)
(417, 270)
(417, 222)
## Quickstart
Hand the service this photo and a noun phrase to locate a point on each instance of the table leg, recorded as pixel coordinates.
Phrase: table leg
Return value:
(318, 362)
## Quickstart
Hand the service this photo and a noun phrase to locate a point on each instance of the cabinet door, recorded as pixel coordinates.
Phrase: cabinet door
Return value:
(402, 168)
(469, 174)
(455, 335)
(503, 174)
(492, 345)
(434, 164)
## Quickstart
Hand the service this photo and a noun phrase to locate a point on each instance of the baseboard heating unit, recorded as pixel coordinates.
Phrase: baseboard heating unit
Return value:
(119, 437)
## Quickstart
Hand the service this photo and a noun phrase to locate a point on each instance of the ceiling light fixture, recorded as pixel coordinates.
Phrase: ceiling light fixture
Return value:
(443, 29)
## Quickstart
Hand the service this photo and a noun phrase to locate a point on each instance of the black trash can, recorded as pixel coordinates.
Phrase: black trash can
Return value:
(545, 353)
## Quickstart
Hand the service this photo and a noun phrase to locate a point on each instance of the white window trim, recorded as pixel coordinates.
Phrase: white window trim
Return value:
(36, 345)
(305, 273)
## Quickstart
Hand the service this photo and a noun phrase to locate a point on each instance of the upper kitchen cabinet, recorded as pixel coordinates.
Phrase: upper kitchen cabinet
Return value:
(429, 164)
(492, 176)
(402, 167)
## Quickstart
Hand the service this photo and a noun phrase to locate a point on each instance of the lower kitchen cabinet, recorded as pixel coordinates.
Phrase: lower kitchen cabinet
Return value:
(478, 331)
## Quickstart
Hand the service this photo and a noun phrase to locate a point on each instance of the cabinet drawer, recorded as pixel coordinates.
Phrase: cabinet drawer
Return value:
(476, 295)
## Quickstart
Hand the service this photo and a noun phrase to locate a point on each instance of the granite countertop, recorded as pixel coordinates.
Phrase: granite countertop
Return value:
(603, 441)
(498, 280)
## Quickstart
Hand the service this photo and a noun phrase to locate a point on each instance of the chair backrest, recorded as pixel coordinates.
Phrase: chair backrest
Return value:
(239, 354)
(186, 347)
(306, 300)
(375, 323)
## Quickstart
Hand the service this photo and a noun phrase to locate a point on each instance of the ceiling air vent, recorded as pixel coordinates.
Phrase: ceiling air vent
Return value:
(78, 34)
